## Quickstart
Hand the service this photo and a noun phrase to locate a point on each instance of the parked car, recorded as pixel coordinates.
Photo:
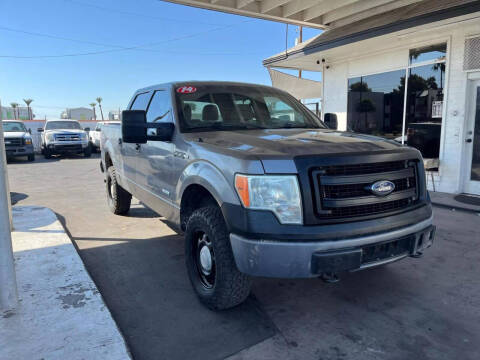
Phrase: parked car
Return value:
(94, 134)
(258, 193)
(64, 137)
(18, 140)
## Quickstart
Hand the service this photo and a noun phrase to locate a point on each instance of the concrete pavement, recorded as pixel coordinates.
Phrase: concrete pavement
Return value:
(61, 314)
(424, 308)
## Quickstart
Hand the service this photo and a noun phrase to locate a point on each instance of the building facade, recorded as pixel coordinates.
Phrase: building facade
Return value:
(19, 113)
(81, 113)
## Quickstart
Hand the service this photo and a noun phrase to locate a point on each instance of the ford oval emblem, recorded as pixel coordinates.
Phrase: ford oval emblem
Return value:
(382, 187)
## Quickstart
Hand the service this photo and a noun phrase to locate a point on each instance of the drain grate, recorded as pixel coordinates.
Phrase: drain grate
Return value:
(468, 199)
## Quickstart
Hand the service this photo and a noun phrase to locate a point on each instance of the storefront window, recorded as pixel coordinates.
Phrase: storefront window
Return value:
(375, 104)
(423, 119)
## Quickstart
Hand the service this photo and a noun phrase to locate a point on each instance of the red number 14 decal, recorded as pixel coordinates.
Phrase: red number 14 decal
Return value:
(186, 89)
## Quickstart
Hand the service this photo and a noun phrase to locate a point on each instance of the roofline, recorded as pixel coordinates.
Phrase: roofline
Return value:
(419, 20)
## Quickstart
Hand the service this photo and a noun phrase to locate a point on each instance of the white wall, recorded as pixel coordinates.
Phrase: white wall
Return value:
(395, 56)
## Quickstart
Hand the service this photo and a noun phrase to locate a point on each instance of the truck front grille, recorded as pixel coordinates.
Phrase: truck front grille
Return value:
(67, 137)
(12, 142)
(341, 191)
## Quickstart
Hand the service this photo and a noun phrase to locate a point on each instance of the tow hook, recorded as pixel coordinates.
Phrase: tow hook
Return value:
(330, 277)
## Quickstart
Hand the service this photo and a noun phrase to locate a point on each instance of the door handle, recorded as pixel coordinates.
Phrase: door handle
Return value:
(137, 147)
(468, 140)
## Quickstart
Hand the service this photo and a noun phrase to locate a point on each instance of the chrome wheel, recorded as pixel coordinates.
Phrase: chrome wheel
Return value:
(205, 259)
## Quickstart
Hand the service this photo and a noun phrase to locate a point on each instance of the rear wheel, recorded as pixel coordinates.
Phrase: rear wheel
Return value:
(118, 198)
(210, 263)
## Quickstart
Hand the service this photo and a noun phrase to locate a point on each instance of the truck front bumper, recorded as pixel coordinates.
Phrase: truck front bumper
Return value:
(23, 150)
(270, 258)
(67, 147)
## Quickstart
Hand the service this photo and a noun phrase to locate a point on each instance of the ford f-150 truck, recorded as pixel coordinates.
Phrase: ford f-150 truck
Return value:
(18, 141)
(64, 137)
(261, 187)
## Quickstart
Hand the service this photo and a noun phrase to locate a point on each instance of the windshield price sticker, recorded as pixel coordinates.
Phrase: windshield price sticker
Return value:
(186, 89)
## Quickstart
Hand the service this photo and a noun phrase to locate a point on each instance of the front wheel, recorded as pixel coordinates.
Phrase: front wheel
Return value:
(118, 198)
(47, 153)
(31, 157)
(210, 263)
(87, 152)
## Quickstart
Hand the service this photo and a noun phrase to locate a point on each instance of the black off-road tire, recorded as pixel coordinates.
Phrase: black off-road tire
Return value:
(87, 152)
(230, 287)
(31, 157)
(47, 154)
(118, 198)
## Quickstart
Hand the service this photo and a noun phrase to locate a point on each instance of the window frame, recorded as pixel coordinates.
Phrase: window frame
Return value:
(170, 107)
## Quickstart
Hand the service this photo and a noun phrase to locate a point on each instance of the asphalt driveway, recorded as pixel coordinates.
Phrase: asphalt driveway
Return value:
(425, 308)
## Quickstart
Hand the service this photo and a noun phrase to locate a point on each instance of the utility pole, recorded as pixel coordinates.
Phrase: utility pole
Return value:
(300, 39)
(8, 283)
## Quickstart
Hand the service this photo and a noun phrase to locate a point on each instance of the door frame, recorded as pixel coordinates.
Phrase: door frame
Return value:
(470, 186)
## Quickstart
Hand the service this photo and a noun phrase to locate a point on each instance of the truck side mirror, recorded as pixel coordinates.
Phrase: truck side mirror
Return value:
(134, 128)
(30, 131)
(330, 119)
(40, 129)
(87, 129)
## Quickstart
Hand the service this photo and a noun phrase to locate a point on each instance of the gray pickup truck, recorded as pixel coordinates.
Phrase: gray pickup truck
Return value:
(261, 187)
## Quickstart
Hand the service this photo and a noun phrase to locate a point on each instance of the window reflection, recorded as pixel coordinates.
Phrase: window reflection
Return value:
(434, 52)
(424, 108)
(375, 104)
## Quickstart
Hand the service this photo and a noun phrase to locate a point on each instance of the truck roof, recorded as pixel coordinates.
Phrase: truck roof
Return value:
(199, 83)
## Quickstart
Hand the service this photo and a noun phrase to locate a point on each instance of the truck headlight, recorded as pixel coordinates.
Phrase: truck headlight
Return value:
(83, 136)
(49, 137)
(277, 193)
(28, 141)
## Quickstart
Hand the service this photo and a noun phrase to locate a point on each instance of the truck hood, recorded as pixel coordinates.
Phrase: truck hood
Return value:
(65, 131)
(288, 143)
(14, 134)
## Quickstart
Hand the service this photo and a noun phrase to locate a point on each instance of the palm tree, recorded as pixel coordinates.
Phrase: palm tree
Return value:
(29, 110)
(99, 101)
(94, 113)
(14, 105)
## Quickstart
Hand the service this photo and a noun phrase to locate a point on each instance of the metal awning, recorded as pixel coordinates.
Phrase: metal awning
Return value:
(318, 14)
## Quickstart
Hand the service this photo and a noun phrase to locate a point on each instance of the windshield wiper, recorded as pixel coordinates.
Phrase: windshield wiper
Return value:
(219, 126)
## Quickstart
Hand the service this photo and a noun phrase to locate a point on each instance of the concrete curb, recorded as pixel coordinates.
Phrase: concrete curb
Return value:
(454, 207)
(61, 313)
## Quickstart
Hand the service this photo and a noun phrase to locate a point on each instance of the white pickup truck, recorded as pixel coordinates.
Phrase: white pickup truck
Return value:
(64, 136)
(95, 133)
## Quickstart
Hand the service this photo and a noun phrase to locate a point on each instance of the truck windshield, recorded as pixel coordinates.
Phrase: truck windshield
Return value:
(13, 126)
(56, 125)
(240, 107)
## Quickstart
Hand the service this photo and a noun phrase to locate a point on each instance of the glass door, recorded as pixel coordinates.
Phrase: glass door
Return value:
(472, 140)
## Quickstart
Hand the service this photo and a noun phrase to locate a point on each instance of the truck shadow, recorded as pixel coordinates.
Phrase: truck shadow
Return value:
(155, 307)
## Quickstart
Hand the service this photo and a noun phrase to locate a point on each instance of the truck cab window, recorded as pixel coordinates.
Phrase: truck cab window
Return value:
(141, 101)
(159, 109)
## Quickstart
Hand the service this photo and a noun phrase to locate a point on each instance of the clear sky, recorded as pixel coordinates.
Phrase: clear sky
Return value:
(170, 42)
